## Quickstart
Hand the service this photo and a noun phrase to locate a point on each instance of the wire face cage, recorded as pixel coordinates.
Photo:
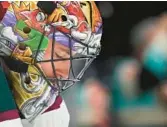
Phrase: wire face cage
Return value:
(50, 44)
(79, 62)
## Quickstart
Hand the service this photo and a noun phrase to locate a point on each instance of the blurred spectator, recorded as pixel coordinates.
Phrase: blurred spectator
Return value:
(162, 94)
(149, 70)
(131, 108)
(88, 102)
(96, 112)
(150, 46)
(92, 104)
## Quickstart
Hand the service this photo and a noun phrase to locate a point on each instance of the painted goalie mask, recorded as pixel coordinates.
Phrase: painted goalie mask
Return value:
(50, 45)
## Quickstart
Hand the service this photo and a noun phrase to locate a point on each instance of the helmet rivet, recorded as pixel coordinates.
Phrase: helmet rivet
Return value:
(26, 30)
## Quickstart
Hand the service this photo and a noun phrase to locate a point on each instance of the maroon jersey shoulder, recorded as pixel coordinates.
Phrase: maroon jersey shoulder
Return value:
(56, 104)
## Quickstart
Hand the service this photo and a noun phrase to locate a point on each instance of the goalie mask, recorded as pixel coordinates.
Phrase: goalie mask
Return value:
(53, 43)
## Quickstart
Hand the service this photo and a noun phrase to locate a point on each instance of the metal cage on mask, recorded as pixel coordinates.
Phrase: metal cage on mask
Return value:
(78, 64)
(19, 67)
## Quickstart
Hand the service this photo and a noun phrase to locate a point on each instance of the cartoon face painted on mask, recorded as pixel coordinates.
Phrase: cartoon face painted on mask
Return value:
(57, 40)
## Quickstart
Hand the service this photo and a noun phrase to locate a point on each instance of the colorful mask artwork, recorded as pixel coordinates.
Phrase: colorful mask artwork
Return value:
(57, 40)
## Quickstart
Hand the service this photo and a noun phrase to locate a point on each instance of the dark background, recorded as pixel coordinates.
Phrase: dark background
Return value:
(116, 29)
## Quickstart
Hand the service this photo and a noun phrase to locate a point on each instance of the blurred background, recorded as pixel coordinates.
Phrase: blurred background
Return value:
(126, 86)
